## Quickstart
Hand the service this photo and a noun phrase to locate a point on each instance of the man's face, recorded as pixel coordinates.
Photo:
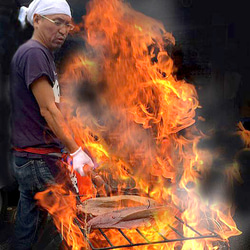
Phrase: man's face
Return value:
(48, 32)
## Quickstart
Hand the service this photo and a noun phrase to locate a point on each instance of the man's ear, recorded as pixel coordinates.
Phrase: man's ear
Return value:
(36, 18)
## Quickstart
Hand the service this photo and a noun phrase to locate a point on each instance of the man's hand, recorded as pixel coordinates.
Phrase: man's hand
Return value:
(80, 158)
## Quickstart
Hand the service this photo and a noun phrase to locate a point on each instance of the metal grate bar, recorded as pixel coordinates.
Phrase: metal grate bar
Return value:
(125, 236)
(148, 242)
(151, 243)
(215, 234)
(176, 231)
(160, 234)
(84, 233)
(188, 226)
(105, 236)
(143, 236)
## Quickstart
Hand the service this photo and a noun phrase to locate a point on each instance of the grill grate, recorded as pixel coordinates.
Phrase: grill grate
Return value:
(162, 240)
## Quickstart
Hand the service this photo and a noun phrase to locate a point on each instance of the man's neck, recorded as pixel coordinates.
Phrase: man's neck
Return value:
(36, 38)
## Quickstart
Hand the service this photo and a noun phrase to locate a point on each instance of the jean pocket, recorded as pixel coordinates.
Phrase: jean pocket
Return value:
(44, 172)
(22, 162)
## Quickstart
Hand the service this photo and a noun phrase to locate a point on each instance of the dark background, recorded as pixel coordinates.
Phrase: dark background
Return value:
(212, 52)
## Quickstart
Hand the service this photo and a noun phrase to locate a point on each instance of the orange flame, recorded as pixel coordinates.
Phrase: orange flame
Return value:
(245, 134)
(137, 120)
(59, 201)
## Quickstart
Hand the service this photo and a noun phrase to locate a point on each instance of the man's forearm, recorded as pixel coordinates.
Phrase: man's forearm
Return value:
(57, 124)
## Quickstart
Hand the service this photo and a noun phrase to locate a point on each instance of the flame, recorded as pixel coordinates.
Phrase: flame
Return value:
(244, 134)
(57, 200)
(124, 104)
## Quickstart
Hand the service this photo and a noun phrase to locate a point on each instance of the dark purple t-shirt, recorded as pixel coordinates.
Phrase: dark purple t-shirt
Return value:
(29, 129)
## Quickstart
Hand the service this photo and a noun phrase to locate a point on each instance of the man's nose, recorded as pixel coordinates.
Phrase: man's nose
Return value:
(64, 30)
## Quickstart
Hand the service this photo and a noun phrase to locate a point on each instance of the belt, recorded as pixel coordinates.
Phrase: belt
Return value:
(42, 151)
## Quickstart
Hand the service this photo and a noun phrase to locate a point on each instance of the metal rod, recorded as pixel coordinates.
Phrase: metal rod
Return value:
(144, 237)
(176, 231)
(105, 236)
(125, 236)
(156, 242)
(84, 234)
(215, 234)
(188, 226)
(159, 233)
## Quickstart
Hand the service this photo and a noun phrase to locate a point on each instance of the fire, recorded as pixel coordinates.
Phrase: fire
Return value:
(57, 200)
(124, 104)
(245, 134)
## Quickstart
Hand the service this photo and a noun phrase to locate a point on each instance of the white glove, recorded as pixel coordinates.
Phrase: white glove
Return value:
(80, 158)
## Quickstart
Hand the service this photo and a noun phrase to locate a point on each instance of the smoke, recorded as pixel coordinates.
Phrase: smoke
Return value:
(221, 171)
(124, 137)
(158, 9)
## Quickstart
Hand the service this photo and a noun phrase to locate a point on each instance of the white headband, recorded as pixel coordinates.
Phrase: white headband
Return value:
(43, 7)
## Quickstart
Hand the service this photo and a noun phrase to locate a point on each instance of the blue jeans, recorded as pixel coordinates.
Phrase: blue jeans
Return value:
(32, 175)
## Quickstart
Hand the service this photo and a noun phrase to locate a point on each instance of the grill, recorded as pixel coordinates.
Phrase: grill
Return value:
(161, 239)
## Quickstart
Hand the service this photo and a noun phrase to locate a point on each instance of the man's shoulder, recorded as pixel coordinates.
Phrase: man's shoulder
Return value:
(31, 49)
(31, 45)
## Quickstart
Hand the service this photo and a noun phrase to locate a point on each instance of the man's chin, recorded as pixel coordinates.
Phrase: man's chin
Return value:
(56, 46)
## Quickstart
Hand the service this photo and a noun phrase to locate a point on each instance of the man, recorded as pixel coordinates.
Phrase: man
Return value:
(39, 130)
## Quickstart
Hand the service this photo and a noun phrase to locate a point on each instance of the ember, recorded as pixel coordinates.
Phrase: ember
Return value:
(138, 122)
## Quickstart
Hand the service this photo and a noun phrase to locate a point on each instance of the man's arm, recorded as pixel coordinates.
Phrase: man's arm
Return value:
(44, 95)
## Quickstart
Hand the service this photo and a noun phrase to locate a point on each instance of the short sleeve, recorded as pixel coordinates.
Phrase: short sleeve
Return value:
(36, 64)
